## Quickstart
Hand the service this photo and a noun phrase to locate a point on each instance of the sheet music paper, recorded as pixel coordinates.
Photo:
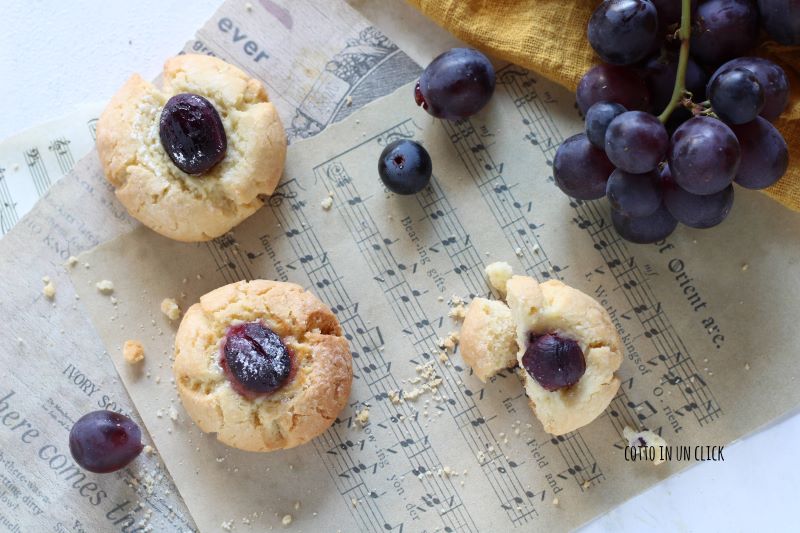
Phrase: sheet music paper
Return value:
(57, 368)
(464, 456)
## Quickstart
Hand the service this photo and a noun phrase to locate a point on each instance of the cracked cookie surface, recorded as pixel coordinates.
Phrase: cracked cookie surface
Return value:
(302, 408)
(181, 206)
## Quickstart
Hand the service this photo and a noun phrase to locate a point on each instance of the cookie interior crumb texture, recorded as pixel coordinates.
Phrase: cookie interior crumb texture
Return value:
(181, 206)
(488, 338)
(499, 273)
(645, 438)
(133, 351)
(105, 286)
(170, 308)
(49, 290)
(303, 407)
(286, 520)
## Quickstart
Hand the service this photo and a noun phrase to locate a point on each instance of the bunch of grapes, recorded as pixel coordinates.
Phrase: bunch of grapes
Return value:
(664, 141)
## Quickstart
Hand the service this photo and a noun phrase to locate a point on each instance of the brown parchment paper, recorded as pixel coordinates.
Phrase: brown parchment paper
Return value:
(703, 365)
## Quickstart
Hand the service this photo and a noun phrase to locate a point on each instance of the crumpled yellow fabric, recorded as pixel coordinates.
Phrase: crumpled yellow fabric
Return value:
(549, 37)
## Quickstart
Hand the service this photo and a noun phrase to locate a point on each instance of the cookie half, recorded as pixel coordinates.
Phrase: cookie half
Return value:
(248, 405)
(147, 181)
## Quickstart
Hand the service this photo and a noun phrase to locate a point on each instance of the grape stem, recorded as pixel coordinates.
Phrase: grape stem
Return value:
(684, 33)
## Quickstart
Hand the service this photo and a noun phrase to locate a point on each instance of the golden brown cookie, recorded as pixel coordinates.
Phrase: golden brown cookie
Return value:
(551, 311)
(192, 207)
(219, 396)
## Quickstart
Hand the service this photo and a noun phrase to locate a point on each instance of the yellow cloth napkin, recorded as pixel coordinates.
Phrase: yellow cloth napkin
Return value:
(549, 37)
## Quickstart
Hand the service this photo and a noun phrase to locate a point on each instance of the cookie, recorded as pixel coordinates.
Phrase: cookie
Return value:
(146, 177)
(563, 341)
(263, 364)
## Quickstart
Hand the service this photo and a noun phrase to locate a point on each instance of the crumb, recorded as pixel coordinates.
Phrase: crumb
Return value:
(248, 6)
(518, 251)
(745, 267)
(644, 438)
(227, 526)
(747, 366)
(353, 501)
(457, 308)
(348, 101)
(148, 450)
(327, 203)
(86, 265)
(499, 273)
(586, 484)
(296, 505)
(105, 286)
(173, 413)
(72, 261)
(394, 397)
(170, 308)
(362, 417)
(555, 501)
(15, 167)
(133, 352)
(286, 520)
(49, 290)
(443, 357)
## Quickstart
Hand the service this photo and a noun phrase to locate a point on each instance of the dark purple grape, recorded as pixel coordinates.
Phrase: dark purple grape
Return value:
(634, 195)
(611, 83)
(694, 210)
(636, 142)
(405, 167)
(581, 170)
(192, 133)
(781, 19)
(456, 84)
(622, 31)
(723, 29)
(772, 79)
(256, 358)
(736, 96)
(704, 155)
(654, 227)
(554, 361)
(660, 73)
(598, 117)
(765, 155)
(104, 441)
(669, 11)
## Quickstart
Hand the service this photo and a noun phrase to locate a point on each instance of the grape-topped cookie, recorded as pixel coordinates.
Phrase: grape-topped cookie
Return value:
(263, 364)
(194, 158)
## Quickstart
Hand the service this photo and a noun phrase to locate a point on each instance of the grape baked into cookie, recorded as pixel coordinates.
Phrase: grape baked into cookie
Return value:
(263, 364)
(193, 159)
(563, 340)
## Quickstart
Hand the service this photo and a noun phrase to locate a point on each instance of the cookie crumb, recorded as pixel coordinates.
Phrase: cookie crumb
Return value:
(348, 101)
(555, 501)
(745, 267)
(457, 308)
(227, 526)
(499, 273)
(518, 251)
(105, 286)
(296, 505)
(747, 366)
(148, 450)
(72, 261)
(169, 307)
(644, 438)
(327, 203)
(173, 413)
(133, 351)
(586, 484)
(248, 6)
(362, 417)
(49, 290)
(394, 397)
(286, 520)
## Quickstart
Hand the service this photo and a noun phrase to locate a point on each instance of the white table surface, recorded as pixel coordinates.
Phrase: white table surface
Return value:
(55, 55)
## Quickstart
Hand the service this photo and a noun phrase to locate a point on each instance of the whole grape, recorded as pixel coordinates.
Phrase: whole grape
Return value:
(654, 227)
(704, 155)
(695, 210)
(660, 73)
(781, 19)
(456, 84)
(405, 167)
(772, 79)
(634, 195)
(622, 31)
(598, 117)
(611, 83)
(104, 441)
(765, 155)
(636, 142)
(580, 170)
(723, 29)
(736, 96)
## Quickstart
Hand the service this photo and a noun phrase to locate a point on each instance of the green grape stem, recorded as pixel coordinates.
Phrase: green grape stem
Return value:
(684, 32)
